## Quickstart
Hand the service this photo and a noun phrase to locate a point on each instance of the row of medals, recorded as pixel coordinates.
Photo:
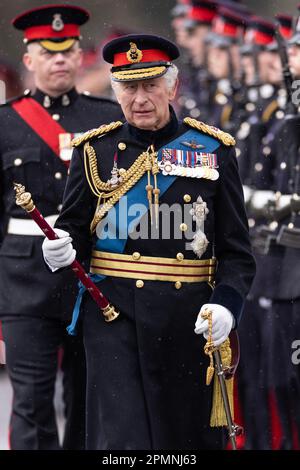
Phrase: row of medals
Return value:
(205, 172)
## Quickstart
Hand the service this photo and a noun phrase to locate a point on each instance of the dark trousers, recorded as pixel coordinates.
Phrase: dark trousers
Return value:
(32, 359)
(146, 370)
(285, 373)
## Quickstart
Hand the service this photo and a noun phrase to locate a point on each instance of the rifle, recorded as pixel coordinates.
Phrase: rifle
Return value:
(291, 108)
(288, 235)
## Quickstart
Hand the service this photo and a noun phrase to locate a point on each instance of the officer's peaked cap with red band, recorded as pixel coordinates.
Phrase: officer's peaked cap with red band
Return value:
(139, 56)
(55, 27)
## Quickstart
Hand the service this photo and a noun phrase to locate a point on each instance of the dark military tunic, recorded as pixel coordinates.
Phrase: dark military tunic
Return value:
(283, 288)
(34, 305)
(146, 370)
(25, 158)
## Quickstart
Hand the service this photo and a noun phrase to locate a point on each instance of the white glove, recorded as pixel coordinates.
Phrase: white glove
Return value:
(247, 193)
(261, 198)
(60, 252)
(222, 323)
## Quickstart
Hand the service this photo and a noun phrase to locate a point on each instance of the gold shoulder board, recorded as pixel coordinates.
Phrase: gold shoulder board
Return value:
(224, 137)
(104, 129)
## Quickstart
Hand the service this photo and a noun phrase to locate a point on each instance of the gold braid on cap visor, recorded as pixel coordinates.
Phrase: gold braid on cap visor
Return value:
(139, 73)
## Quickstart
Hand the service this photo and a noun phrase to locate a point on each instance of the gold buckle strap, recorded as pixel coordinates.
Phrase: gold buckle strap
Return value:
(152, 268)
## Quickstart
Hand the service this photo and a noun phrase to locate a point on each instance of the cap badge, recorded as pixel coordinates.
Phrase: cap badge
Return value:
(57, 23)
(134, 54)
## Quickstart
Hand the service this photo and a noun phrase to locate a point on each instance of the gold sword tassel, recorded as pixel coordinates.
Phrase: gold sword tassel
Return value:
(156, 190)
(149, 187)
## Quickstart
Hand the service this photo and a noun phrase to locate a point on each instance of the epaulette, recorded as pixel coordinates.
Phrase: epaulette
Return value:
(104, 129)
(224, 137)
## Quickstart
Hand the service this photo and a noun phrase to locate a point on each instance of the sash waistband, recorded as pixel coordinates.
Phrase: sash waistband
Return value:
(151, 268)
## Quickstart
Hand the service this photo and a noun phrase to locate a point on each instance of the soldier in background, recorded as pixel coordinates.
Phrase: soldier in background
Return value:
(93, 76)
(225, 66)
(283, 261)
(35, 135)
(197, 87)
(178, 16)
(10, 77)
(254, 376)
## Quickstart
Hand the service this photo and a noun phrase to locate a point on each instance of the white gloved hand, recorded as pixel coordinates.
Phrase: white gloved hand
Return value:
(260, 198)
(222, 323)
(58, 253)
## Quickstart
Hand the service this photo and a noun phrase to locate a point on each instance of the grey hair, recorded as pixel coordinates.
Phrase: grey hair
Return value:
(170, 76)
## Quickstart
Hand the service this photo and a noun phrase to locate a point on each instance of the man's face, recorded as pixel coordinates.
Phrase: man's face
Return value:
(264, 59)
(248, 68)
(145, 103)
(218, 62)
(180, 31)
(54, 72)
(275, 69)
(195, 44)
(294, 60)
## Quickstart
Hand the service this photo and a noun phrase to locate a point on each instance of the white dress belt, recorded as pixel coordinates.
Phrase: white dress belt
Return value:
(28, 226)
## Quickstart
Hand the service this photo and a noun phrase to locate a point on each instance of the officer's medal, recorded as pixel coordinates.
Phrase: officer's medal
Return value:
(191, 164)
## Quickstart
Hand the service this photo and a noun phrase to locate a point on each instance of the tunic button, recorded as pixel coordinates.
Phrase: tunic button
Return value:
(178, 285)
(187, 198)
(136, 255)
(183, 227)
(121, 146)
(179, 256)
(139, 284)
(56, 117)
(18, 162)
(58, 175)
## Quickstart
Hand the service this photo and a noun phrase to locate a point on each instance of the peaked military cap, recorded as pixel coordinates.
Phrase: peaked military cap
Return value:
(201, 12)
(55, 27)
(228, 28)
(139, 56)
(260, 34)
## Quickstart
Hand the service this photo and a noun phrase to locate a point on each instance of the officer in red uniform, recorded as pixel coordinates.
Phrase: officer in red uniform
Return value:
(35, 134)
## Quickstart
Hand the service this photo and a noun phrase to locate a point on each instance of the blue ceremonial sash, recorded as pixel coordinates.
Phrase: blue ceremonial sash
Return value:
(117, 219)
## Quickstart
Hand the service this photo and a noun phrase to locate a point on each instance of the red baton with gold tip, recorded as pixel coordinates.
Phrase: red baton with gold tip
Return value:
(24, 200)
